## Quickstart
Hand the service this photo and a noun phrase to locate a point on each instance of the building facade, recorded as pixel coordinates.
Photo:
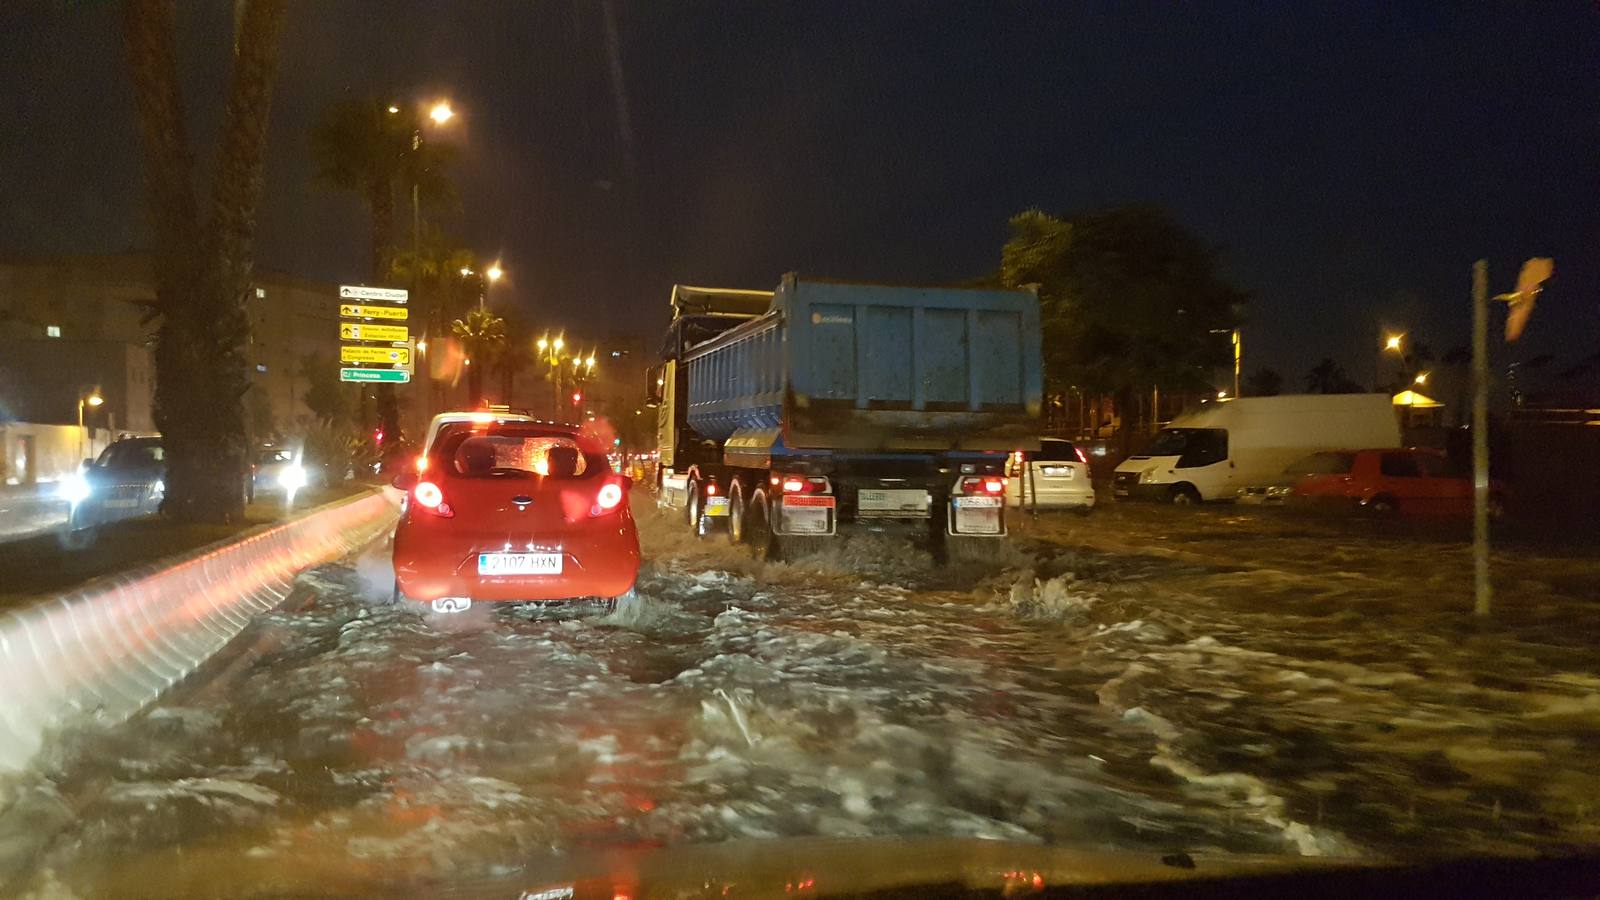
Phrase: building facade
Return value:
(73, 325)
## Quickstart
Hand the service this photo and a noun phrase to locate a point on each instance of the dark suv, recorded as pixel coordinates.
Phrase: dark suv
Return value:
(125, 481)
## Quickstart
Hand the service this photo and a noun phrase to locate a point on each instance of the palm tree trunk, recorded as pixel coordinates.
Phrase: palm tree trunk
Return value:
(202, 274)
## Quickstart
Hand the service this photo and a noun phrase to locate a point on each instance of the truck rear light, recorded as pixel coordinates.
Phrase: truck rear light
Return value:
(711, 489)
(794, 486)
(986, 485)
(431, 498)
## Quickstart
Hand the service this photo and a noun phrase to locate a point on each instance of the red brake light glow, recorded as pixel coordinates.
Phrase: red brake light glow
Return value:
(711, 489)
(986, 485)
(430, 498)
(793, 486)
(610, 495)
(1081, 458)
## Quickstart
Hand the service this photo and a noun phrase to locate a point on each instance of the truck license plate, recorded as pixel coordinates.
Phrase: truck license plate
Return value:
(873, 502)
(806, 515)
(519, 564)
(716, 506)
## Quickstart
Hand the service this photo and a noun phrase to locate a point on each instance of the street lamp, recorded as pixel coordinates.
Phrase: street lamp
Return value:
(440, 114)
(92, 399)
(1422, 378)
(490, 276)
(1392, 342)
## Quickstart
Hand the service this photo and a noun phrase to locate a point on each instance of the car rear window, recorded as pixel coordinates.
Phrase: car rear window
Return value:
(1056, 451)
(1323, 464)
(514, 453)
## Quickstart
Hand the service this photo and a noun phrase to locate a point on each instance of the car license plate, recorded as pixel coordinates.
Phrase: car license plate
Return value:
(977, 515)
(716, 506)
(806, 514)
(519, 563)
(874, 502)
(1056, 471)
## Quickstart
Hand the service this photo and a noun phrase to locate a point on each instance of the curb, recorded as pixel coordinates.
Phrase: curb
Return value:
(110, 647)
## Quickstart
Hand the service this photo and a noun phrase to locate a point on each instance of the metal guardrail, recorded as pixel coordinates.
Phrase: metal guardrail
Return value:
(106, 650)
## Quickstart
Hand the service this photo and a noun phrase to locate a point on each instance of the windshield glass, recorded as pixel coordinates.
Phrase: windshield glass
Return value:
(511, 452)
(130, 455)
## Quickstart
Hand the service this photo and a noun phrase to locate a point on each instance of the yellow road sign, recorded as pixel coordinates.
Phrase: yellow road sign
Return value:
(359, 311)
(352, 332)
(397, 355)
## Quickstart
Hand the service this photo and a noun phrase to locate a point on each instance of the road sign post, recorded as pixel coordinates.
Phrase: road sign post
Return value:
(381, 294)
(362, 311)
(349, 331)
(375, 376)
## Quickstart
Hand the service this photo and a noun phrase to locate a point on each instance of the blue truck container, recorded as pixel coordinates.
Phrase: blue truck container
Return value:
(887, 402)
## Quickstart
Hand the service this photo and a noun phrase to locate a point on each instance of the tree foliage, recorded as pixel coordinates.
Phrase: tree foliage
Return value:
(1328, 377)
(1263, 382)
(361, 147)
(1128, 298)
(202, 261)
(482, 335)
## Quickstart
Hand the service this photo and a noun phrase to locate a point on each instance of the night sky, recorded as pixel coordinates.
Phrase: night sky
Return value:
(1351, 160)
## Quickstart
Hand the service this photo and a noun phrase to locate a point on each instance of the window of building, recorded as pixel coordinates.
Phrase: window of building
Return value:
(261, 293)
(261, 367)
(52, 331)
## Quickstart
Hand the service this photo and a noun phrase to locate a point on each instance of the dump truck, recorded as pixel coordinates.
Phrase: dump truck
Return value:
(787, 418)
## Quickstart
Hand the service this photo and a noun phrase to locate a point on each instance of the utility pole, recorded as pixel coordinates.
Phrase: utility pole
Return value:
(1238, 356)
(1482, 589)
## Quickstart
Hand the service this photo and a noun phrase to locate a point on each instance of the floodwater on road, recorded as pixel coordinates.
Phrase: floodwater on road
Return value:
(29, 511)
(1142, 678)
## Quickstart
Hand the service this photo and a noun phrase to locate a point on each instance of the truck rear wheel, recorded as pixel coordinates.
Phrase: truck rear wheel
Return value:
(736, 511)
(694, 509)
(755, 526)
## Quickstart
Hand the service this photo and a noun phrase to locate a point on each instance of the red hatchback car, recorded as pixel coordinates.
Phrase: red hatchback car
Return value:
(1411, 482)
(513, 511)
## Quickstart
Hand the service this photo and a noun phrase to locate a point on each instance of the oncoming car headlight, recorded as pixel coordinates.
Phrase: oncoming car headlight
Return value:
(293, 477)
(75, 488)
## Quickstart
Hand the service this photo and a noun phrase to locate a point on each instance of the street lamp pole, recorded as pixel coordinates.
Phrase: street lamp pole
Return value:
(92, 398)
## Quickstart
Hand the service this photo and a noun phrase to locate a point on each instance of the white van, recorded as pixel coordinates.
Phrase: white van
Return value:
(1224, 446)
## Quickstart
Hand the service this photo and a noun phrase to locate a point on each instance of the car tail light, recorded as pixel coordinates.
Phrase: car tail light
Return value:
(430, 498)
(1081, 458)
(986, 485)
(422, 463)
(608, 499)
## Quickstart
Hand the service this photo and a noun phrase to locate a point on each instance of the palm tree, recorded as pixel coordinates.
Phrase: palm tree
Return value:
(362, 147)
(514, 357)
(202, 263)
(372, 148)
(483, 335)
(1327, 377)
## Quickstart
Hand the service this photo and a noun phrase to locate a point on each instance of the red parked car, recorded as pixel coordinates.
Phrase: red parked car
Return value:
(513, 511)
(1411, 482)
